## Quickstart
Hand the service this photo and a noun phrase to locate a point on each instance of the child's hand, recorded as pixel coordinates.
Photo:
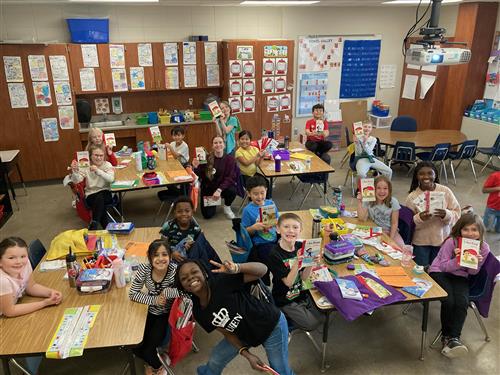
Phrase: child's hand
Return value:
(255, 362)
(359, 197)
(74, 166)
(188, 245)
(440, 213)
(258, 226)
(457, 251)
(177, 256)
(93, 168)
(195, 163)
(227, 267)
(480, 258)
(57, 295)
(216, 194)
(161, 300)
(426, 215)
(52, 300)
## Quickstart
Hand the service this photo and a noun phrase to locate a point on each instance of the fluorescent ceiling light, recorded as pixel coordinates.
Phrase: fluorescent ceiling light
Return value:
(114, 1)
(277, 2)
(411, 2)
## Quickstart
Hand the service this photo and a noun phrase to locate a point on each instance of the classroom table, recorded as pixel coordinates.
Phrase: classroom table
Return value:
(266, 167)
(435, 293)
(10, 158)
(422, 138)
(119, 323)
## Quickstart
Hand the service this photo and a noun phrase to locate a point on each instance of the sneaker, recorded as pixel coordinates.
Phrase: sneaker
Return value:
(454, 348)
(163, 357)
(229, 213)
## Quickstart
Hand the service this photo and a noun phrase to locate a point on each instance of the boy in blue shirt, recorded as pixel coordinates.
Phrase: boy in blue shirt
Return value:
(259, 218)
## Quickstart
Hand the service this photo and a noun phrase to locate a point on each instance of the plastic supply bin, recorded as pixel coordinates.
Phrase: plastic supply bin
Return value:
(88, 30)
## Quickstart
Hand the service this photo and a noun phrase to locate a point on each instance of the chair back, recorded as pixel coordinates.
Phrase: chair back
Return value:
(243, 240)
(240, 186)
(203, 250)
(496, 146)
(347, 136)
(478, 285)
(406, 225)
(404, 124)
(468, 149)
(36, 251)
(404, 151)
(440, 151)
(313, 178)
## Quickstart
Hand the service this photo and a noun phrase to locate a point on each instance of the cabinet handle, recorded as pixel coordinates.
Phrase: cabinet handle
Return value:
(29, 115)
(158, 84)
(38, 116)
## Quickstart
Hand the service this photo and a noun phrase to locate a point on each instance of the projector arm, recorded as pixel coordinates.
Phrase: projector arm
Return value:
(433, 33)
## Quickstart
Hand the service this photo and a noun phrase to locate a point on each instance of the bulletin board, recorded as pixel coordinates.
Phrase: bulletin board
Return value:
(336, 67)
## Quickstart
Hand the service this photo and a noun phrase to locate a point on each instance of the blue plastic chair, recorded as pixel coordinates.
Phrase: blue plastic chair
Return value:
(467, 151)
(438, 154)
(404, 154)
(404, 124)
(490, 151)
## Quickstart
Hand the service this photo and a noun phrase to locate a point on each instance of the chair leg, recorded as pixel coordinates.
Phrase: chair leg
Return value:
(305, 196)
(407, 308)
(443, 167)
(294, 191)
(480, 321)
(453, 172)
(460, 162)
(21, 368)
(344, 159)
(195, 347)
(318, 189)
(245, 200)
(169, 211)
(436, 339)
(473, 170)
(488, 162)
(159, 210)
(313, 341)
(352, 185)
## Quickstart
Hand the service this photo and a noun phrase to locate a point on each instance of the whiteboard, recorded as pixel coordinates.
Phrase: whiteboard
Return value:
(319, 68)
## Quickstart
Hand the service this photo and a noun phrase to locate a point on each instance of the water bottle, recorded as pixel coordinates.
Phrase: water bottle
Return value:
(277, 163)
(151, 161)
(72, 267)
(277, 127)
(407, 256)
(138, 160)
(316, 227)
(119, 272)
(337, 197)
(287, 142)
(308, 164)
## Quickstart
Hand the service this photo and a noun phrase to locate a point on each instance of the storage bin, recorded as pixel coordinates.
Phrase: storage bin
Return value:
(205, 115)
(142, 120)
(152, 118)
(88, 30)
(164, 119)
(284, 154)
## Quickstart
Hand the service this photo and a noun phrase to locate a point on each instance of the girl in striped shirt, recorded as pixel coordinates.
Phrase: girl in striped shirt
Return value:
(158, 278)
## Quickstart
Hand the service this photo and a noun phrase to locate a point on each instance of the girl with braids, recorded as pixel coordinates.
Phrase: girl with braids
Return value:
(431, 228)
(227, 127)
(217, 178)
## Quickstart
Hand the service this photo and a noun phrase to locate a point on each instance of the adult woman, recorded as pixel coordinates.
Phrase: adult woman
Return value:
(224, 303)
(227, 127)
(98, 178)
(218, 178)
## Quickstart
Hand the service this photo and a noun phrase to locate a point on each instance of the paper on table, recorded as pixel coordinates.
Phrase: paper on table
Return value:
(136, 248)
(394, 276)
(412, 66)
(429, 68)
(410, 87)
(426, 82)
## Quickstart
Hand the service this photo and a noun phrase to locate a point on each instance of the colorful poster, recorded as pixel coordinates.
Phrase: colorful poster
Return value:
(170, 55)
(285, 102)
(273, 103)
(18, 96)
(210, 53)
(249, 104)
(312, 90)
(281, 66)
(38, 68)
(89, 56)
(268, 66)
(249, 87)
(235, 104)
(189, 53)
(117, 55)
(190, 79)
(319, 54)
(59, 68)
(137, 78)
(13, 69)
(275, 51)
(213, 78)
(49, 129)
(235, 68)
(267, 85)
(244, 52)
(66, 117)
(41, 91)
(119, 77)
(235, 87)
(101, 105)
(145, 54)
(172, 77)
(87, 79)
(62, 91)
(248, 68)
(280, 84)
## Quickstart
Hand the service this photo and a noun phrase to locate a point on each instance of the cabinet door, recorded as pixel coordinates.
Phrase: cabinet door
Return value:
(76, 64)
(105, 68)
(158, 66)
(203, 65)
(132, 61)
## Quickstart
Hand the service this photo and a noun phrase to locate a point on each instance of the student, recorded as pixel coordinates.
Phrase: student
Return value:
(223, 303)
(217, 178)
(455, 281)
(16, 279)
(179, 148)
(158, 277)
(227, 127)
(98, 179)
(96, 137)
(492, 212)
(182, 230)
(316, 132)
(365, 159)
(384, 211)
(431, 228)
(288, 294)
(263, 236)
(248, 156)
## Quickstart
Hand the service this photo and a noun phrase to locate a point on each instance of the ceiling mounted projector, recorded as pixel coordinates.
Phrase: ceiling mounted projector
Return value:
(437, 56)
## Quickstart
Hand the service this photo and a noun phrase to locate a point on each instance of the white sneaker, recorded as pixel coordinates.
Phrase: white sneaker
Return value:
(228, 212)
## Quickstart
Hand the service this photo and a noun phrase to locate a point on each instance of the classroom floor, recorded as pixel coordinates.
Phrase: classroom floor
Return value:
(387, 342)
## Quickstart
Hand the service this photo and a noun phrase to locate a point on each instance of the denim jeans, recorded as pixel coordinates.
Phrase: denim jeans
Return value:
(492, 219)
(276, 346)
(424, 255)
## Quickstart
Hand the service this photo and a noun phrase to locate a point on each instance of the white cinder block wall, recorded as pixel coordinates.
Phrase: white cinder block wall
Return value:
(134, 23)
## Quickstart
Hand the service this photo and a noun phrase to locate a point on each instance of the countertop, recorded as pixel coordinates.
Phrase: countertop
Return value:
(132, 125)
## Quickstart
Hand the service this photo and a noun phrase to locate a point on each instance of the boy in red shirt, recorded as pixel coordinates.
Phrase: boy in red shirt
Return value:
(316, 132)
(492, 212)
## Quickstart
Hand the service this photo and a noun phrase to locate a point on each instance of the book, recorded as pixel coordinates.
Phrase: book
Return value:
(201, 155)
(365, 231)
(357, 128)
(352, 239)
(123, 184)
(422, 286)
(319, 273)
(155, 134)
(348, 289)
(110, 140)
(209, 201)
(434, 200)
(94, 280)
(267, 215)
(375, 287)
(469, 250)
(120, 228)
(368, 190)
(215, 109)
(310, 249)
(320, 126)
(83, 160)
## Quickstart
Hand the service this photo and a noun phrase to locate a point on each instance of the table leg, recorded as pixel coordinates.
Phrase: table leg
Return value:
(131, 361)
(325, 189)
(425, 317)
(5, 365)
(21, 178)
(271, 180)
(120, 208)
(324, 365)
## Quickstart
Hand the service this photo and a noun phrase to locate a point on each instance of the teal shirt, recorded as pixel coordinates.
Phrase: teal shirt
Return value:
(231, 136)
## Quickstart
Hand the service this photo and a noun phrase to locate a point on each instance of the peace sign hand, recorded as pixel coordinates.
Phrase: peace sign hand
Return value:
(226, 267)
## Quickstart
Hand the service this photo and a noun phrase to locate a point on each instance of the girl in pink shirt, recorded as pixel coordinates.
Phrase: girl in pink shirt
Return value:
(16, 279)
